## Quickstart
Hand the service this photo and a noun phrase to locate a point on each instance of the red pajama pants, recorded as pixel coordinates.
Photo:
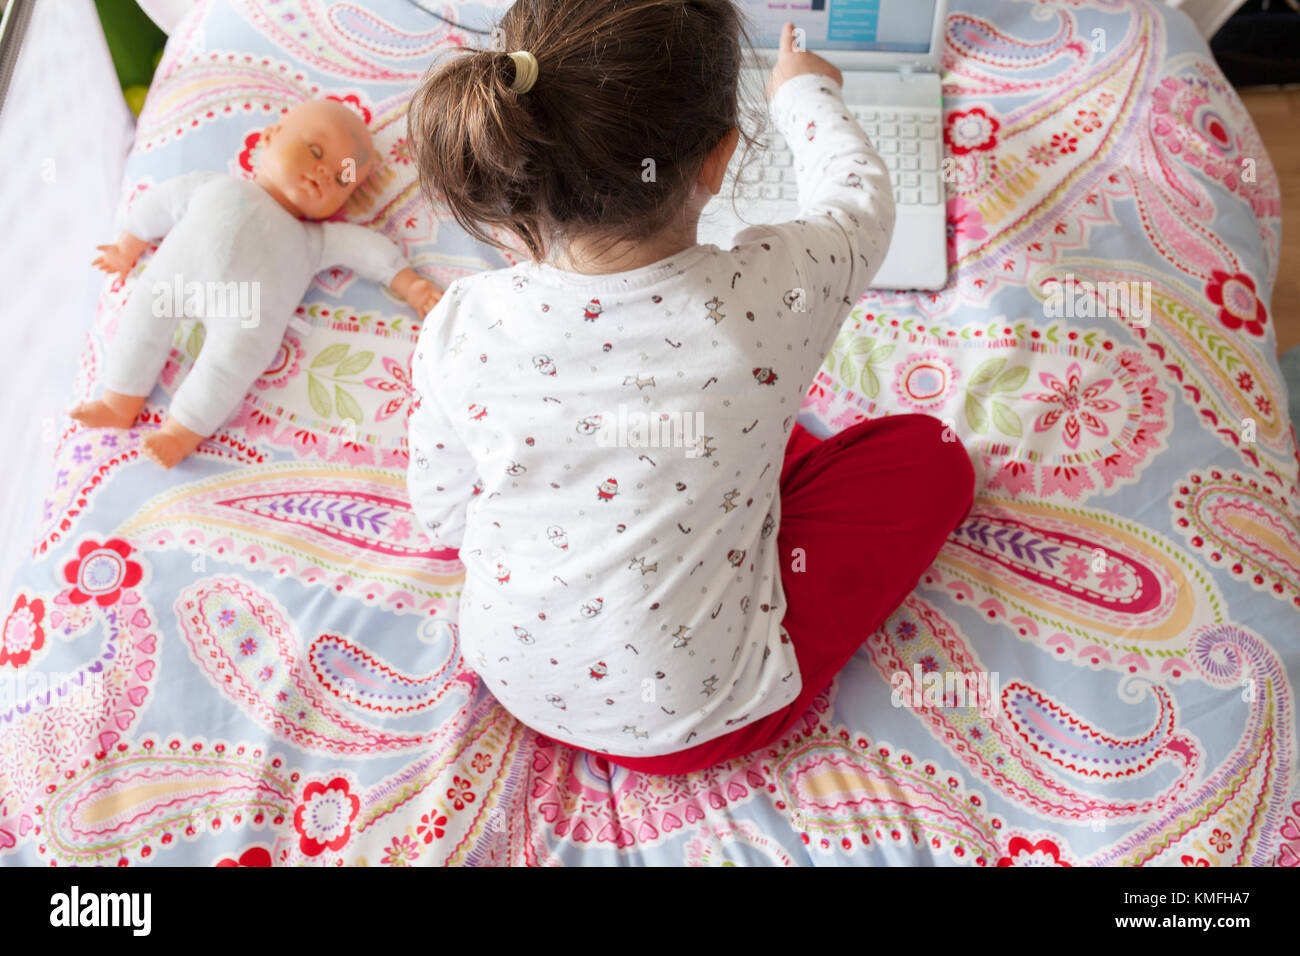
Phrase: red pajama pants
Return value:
(869, 507)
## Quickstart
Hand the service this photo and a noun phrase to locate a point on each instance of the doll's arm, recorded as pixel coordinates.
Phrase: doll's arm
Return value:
(154, 211)
(375, 256)
(152, 214)
(120, 257)
(417, 291)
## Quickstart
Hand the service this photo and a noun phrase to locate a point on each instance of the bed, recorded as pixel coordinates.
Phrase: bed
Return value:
(252, 660)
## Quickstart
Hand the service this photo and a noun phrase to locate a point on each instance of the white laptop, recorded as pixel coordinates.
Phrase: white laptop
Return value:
(889, 52)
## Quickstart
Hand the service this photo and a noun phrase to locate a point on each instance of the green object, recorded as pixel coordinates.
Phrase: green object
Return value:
(135, 96)
(134, 41)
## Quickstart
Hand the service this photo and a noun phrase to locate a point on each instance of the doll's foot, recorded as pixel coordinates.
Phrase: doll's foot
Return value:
(114, 411)
(171, 444)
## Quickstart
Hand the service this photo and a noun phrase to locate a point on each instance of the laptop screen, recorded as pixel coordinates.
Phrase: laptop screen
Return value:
(868, 26)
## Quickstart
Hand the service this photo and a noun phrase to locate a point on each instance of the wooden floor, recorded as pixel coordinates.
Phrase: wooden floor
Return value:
(1277, 117)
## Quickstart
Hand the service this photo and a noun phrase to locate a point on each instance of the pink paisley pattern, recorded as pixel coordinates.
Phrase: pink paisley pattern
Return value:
(247, 648)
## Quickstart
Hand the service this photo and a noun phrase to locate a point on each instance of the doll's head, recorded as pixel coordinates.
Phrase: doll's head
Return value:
(314, 157)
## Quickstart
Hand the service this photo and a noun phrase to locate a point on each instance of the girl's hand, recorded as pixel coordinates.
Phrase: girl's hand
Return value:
(418, 292)
(791, 63)
(121, 256)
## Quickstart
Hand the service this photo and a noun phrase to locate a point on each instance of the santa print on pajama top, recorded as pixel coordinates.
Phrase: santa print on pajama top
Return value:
(622, 596)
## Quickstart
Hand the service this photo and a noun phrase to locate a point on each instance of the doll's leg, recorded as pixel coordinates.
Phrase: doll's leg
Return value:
(232, 359)
(133, 360)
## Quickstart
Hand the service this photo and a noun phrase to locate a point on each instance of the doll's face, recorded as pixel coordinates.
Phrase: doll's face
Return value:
(314, 157)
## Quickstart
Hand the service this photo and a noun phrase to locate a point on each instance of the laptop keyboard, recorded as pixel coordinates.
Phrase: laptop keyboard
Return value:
(910, 141)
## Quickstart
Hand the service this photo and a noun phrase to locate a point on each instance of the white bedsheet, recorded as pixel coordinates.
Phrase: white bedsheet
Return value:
(65, 132)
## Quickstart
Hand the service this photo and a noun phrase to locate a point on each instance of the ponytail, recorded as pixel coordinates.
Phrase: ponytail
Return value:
(475, 145)
(607, 141)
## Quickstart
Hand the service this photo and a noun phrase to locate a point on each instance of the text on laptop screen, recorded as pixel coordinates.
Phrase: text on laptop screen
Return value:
(872, 26)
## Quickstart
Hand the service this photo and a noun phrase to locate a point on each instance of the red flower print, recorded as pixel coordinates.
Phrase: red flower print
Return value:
(481, 762)
(22, 633)
(431, 827)
(246, 162)
(353, 101)
(1195, 860)
(253, 856)
(400, 152)
(324, 818)
(970, 130)
(101, 571)
(1042, 154)
(1087, 120)
(1245, 382)
(1020, 852)
(1065, 143)
(459, 793)
(1239, 305)
(1220, 840)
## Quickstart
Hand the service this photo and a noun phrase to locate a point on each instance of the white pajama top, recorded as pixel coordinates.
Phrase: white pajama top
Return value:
(605, 452)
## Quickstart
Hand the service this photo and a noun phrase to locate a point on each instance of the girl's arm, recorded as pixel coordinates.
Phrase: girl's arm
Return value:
(845, 198)
(442, 474)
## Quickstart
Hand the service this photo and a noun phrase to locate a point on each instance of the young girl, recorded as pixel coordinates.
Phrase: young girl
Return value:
(662, 567)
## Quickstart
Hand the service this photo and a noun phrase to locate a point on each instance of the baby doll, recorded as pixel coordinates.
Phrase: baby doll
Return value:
(257, 246)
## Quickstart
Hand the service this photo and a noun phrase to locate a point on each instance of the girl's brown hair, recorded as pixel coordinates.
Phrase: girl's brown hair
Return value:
(620, 82)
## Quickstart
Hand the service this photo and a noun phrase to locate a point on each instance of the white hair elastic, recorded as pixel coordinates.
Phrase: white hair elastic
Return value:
(525, 71)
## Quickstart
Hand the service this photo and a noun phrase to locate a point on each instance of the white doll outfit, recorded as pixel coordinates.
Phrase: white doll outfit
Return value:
(624, 596)
(241, 263)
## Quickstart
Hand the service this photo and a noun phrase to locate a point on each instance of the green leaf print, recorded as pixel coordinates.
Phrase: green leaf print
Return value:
(992, 378)
(330, 356)
(1011, 379)
(347, 405)
(1005, 420)
(319, 396)
(870, 385)
(855, 349)
(354, 364)
(876, 358)
(976, 415)
(194, 343)
(986, 372)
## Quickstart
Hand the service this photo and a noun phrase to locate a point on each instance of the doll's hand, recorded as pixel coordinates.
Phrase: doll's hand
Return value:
(121, 256)
(418, 292)
(423, 296)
